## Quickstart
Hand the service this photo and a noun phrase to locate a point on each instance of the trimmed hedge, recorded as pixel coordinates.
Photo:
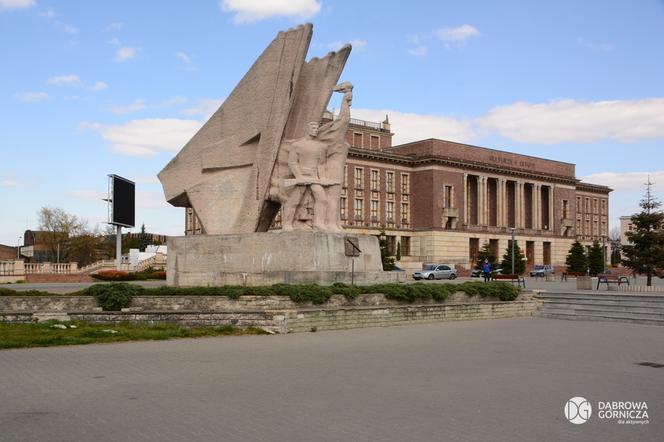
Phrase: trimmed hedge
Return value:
(117, 295)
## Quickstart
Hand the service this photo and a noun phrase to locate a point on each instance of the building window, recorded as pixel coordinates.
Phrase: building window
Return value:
(587, 205)
(357, 139)
(565, 209)
(342, 208)
(374, 211)
(389, 211)
(603, 207)
(405, 213)
(389, 182)
(374, 142)
(359, 178)
(448, 202)
(405, 246)
(358, 208)
(374, 180)
(405, 184)
(345, 176)
(578, 204)
(595, 207)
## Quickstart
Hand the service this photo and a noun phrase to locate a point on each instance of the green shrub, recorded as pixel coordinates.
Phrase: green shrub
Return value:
(113, 296)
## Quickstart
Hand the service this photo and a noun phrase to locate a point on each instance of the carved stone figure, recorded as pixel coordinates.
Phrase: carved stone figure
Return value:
(312, 177)
(227, 171)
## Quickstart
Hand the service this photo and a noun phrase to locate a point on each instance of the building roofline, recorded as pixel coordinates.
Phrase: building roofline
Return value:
(480, 147)
(593, 187)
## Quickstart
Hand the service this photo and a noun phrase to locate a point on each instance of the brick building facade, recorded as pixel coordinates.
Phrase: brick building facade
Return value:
(442, 201)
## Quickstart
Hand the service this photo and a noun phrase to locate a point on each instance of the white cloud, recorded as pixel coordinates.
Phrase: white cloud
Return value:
(31, 97)
(6, 5)
(458, 34)
(125, 53)
(152, 179)
(358, 45)
(9, 182)
(253, 10)
(412, 127)
(147, 137)
(419, 51)
(65, 80)
(88, 195)
(115, 41)
(626, 180)
(572, 121)
(597, 47)
(99, 86)
(115, 26)
(205, 107)
(69, 29)
(135, 106)
(174, 101)
(183, 57)
(150, 200)
(49, 13)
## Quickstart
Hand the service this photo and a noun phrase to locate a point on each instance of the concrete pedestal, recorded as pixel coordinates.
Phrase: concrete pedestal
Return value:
(273, 257)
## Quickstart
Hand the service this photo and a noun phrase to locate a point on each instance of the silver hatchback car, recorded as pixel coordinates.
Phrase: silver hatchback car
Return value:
(436, 271)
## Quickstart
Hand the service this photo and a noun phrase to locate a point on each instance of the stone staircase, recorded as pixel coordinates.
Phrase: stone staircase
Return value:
(630, 308)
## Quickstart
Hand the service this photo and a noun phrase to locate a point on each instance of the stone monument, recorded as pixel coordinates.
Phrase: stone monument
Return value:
(265, 149)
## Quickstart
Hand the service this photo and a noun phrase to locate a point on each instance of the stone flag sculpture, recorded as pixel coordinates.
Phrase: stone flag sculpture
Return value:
(264, 148)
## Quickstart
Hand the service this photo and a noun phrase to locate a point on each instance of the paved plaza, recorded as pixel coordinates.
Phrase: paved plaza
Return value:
(481, 380)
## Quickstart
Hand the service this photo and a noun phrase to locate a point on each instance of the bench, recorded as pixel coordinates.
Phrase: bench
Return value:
(520, 280)
(610, 278)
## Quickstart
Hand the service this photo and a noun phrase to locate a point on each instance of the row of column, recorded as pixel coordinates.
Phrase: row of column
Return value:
(502, 209)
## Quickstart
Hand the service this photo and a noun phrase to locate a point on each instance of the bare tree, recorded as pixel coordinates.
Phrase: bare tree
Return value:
(57, 227)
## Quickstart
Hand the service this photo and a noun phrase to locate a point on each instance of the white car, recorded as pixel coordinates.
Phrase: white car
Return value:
(436, 271)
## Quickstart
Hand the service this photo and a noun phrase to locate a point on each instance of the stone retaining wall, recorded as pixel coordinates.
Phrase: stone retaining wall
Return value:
(302, 320)
(66, 303)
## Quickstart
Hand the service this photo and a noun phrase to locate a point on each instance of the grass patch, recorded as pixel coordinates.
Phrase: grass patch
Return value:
(44, 335)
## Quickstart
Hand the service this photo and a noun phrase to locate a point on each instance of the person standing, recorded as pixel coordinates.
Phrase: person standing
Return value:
(486, 270)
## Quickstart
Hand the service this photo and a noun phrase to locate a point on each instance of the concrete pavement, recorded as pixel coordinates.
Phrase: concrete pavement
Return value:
(481, 380)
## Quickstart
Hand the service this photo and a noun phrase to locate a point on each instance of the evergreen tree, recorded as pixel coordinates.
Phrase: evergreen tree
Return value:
(615, 256)
(385, 254)
(577, 261)
(519, 260)
(486, 253)
(645, 251)
(143, 239)
(399, 251)
(596, 259)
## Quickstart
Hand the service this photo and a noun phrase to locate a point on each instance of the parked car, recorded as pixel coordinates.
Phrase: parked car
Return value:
(542, 271)
(436, 271)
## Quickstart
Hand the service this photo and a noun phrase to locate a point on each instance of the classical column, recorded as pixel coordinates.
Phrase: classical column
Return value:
(536, 206)
(502, 185)
(481, 210)
(522, 206)
(465, 199)
(552, 205)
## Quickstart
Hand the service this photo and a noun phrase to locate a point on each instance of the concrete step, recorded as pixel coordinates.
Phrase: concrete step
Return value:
(601, 296)
(612, 306)
(578, 317)
(604, 312)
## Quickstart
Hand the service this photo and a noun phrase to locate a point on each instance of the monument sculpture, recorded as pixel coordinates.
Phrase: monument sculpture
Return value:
(265, 149)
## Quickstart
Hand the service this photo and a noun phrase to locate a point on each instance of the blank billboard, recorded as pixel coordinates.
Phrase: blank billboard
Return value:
(123, 201)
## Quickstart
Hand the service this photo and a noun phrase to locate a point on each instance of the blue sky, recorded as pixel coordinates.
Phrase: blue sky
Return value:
(91, 88)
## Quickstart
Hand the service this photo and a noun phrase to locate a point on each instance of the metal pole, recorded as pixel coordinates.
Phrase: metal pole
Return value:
(604, 251)
(118, 248)
(513, 269)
